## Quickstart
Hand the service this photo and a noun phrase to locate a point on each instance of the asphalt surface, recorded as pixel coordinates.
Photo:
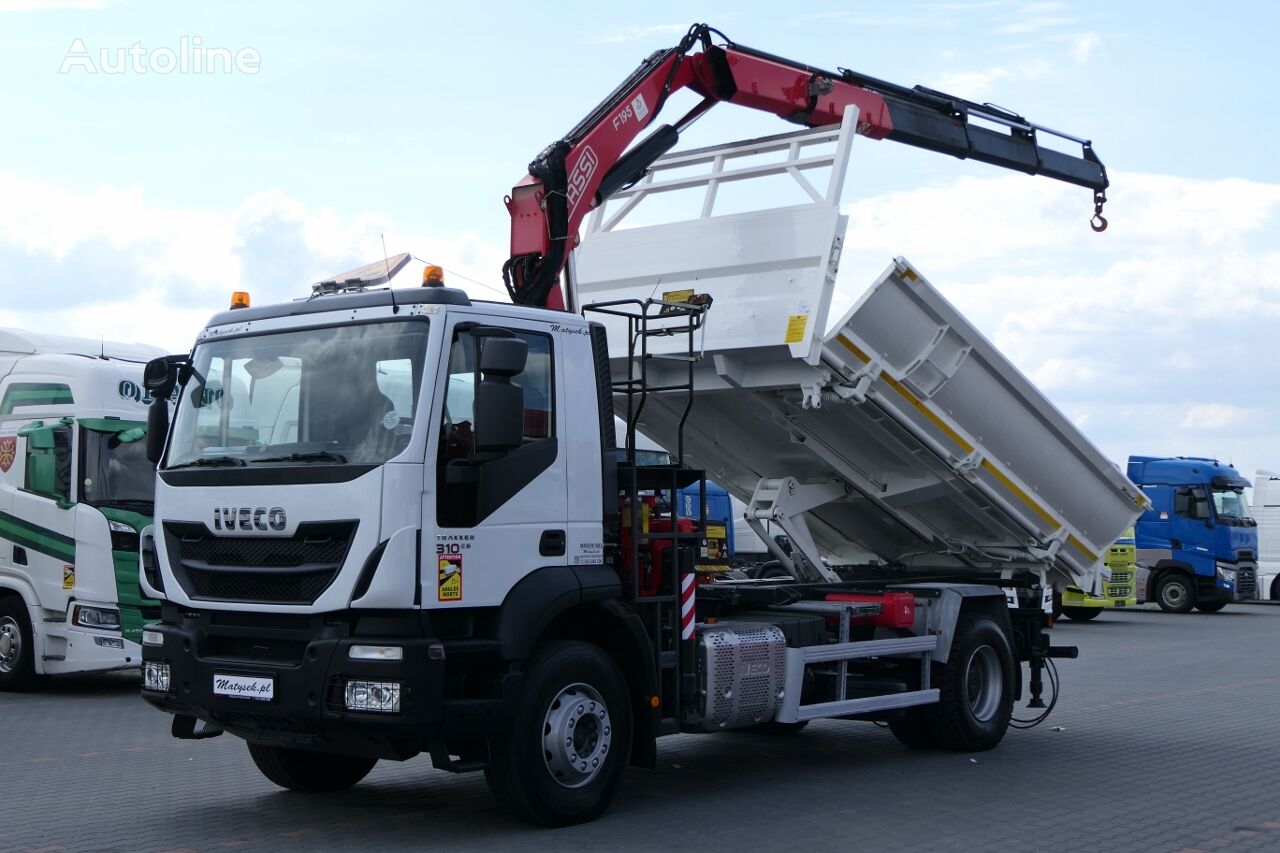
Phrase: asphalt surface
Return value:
(1166, 738)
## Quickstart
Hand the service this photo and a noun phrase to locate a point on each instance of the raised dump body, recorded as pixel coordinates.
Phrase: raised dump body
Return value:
(901, 431)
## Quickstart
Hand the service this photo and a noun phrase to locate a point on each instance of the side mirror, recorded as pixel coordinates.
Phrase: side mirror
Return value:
(499, 412)
(157, 428)
(1182, 501)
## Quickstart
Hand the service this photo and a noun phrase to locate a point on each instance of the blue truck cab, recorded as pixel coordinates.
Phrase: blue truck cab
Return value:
(1198, 541)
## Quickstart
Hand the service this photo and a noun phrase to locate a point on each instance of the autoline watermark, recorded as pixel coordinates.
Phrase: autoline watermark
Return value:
(190, 56)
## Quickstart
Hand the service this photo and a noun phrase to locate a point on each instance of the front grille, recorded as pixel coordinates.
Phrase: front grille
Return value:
(1246, 582)
(269, 570)
(1122, 577)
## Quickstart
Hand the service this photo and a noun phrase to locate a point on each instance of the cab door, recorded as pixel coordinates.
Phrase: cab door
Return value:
(499, 511)
(40, 523)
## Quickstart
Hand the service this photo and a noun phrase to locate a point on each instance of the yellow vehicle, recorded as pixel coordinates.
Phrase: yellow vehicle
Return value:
(1120, 589)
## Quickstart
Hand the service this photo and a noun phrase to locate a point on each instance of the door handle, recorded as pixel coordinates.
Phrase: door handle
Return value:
(552, 543)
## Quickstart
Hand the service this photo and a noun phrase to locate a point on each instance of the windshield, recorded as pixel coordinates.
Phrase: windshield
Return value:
(1231, 504)
(115, 472)
(653, 457)
(332, 395)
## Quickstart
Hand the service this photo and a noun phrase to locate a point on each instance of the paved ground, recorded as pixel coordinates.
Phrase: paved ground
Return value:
(1169, 740)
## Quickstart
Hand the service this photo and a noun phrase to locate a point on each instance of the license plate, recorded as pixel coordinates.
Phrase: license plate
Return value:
(244, 687)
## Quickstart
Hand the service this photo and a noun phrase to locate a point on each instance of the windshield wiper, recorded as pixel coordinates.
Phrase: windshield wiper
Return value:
(314, 456)
(210, 462)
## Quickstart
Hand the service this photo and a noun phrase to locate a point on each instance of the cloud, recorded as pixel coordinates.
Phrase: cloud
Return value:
(978, 84)
(1084, 46)
(634, 33)
(1209, 416)
(108, 262)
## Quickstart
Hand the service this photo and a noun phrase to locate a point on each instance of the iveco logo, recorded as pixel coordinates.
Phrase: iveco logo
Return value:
(248, 518)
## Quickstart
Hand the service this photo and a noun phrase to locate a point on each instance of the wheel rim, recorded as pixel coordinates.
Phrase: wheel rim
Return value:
(10, 644)
(1173, 594)
(983, 683)
(576, 735)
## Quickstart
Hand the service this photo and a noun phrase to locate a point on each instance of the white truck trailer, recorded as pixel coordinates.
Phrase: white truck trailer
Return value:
(353, 567)
(75, 490)
(1266, 511)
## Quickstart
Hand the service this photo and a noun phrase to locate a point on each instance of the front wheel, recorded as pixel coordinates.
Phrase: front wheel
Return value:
(561, 760)
(1210, 606)
(311, 772)
(1081, 614)
(1175, 594)
(17, 661)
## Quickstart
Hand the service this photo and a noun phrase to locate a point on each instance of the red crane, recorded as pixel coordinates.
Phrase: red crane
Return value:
(575, 174)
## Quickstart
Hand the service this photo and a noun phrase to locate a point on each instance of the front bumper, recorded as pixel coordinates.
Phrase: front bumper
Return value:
(307, 660)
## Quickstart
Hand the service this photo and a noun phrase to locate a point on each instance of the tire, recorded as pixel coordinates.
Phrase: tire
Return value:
(17, 649)
(307, 771)
(1082, 614)
(1176, 593)
(913, 730)
(1057, 605)
(1210, 606)
(773, 570)
(1275, 588)
(976, 686)
(562, 758)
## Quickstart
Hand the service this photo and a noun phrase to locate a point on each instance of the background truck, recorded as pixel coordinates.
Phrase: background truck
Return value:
(1198, 542)
(1266, 511)
(75, 489)
(464, 564)
(1118, 588)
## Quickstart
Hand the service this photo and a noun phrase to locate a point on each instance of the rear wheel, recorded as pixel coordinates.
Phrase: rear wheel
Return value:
(561, 760)
(17, 661)
(1275, 589)
(1082, 614)
(1057, 605)
(1175, 593)
(1210, 606)
(312, 772)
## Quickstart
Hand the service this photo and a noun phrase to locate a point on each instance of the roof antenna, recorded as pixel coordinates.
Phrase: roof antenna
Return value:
(102, 347)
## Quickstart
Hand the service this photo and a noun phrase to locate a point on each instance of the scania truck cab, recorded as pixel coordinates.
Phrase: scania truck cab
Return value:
(75, 490)
(1197, 542)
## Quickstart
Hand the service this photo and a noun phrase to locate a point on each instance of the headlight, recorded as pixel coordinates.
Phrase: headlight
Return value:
(118, 527)
(381, 696)
(152, 638)
(155, 676)
(376, 653)
(95, 617)
(1227, 573)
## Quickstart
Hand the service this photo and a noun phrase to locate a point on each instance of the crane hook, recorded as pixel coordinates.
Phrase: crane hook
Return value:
(1098, 222)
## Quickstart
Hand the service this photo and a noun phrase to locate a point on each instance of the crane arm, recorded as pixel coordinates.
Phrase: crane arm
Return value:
(575, 174)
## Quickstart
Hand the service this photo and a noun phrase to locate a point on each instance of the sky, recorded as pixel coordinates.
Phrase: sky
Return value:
(136, 194)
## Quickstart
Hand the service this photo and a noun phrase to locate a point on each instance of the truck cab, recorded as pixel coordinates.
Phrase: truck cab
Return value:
(1266, 511)
(75, 490)
(1198, 541)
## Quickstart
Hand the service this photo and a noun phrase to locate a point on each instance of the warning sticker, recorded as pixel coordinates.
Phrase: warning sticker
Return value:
(678, 295)
(68, 576)
(450, 585)
(796, 324)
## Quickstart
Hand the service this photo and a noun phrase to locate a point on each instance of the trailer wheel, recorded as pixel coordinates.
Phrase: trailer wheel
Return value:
(976, 687)
(1275, 588)
(562, 758)
(310, 772)
(1175, 593)
(1082, 614)
(17, 650)
(1210, 606)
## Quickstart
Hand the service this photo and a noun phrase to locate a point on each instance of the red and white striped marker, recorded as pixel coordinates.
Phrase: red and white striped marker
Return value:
(687, 587)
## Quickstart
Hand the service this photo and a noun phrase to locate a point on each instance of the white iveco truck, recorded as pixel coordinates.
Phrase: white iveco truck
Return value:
(402, 525)
(75, 490)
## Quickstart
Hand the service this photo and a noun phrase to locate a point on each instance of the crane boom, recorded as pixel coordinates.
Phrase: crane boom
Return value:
(575, 174)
